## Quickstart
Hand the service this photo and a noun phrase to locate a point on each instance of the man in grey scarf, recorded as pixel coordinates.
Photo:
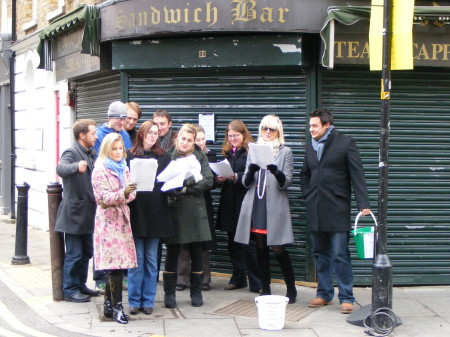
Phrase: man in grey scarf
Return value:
(166, 135)
(331, 168)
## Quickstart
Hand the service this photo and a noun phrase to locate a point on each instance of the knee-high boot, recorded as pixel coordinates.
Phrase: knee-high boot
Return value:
(196, 289)
(170, 281)
(107, 305)
(288, 272)
(116, 298)
(263, 258)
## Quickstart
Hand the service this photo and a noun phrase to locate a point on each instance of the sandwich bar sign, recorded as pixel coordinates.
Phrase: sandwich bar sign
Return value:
(145, 17)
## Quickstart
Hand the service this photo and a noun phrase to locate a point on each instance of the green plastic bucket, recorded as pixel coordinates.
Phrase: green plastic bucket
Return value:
(364, 239)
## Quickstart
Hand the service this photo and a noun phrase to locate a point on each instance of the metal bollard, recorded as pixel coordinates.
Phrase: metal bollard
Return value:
(54, 191)
(20, 254)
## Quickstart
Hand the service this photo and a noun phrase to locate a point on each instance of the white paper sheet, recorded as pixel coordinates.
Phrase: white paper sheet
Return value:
(222, 168)
(143, 173)
(178, 170)
(261, 154)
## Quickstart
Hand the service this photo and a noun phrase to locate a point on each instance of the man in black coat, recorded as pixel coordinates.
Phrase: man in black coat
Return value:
(331, 167)
(76, 213)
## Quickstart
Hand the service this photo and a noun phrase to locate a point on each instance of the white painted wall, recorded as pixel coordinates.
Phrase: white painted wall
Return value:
(35, 119)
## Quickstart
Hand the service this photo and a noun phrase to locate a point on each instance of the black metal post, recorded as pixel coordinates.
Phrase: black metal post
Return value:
(382, 267)
(20, 255)
(54, 191)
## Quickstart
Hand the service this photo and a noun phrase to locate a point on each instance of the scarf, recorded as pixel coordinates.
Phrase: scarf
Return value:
(274, 143)
(318, 145)
(166, 139)
(118, 167)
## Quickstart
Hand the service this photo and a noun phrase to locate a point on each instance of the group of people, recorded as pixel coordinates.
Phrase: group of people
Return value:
(103, 216)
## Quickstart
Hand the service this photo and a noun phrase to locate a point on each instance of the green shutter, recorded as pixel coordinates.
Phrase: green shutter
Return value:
(418, 216)
(246, 94)
(94, 94)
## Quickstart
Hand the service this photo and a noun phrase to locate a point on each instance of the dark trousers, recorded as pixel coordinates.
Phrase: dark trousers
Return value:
(79, 250)
(243, 259)
(195, 252)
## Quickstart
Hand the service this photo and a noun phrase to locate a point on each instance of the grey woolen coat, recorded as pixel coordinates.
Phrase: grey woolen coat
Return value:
(279, 223)
(76, 213)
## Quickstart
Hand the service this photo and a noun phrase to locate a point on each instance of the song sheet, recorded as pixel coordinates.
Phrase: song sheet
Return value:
(261, 154)
(178, 170)
(143, 173)
(222, 168)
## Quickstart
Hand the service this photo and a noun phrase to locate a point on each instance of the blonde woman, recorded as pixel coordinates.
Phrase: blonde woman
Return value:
(190, 219)
(114, 248)
(265, 213)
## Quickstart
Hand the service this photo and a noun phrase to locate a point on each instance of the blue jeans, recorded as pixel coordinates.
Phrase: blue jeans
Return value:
(142, 280)
(79, 250)
(331, 251)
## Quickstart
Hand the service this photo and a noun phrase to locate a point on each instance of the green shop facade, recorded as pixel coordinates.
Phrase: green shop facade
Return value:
(245, 59)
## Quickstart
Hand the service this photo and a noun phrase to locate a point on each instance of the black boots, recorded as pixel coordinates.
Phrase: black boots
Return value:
(115, 284)
(288, 272)
(263, 259)
(107, 306)
(196, 289)
(170, 283)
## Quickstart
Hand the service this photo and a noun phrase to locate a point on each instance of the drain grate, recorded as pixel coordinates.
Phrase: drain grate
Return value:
(294, 312)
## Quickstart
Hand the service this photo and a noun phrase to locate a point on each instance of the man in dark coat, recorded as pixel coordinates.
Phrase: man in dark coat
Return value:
(76, 213)
(331, 167)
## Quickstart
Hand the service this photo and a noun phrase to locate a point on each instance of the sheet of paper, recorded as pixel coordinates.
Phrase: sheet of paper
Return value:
(222, 168)
(178, 170)
(261, 154)
(143, 173)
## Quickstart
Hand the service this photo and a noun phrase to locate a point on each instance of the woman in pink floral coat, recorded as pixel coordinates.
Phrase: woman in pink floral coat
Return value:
(114, 248)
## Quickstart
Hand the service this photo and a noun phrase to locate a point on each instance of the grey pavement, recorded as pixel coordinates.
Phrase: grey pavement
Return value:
(424, 311)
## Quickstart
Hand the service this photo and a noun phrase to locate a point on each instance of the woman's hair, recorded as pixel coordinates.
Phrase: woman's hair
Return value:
(272, 122)
(236, 125)
(138, 147)
(107, 145)
(189, 128)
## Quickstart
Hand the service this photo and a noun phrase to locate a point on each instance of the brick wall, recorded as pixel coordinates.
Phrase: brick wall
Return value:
(28, 23)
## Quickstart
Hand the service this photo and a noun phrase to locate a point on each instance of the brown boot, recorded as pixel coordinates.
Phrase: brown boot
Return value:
(317, 303)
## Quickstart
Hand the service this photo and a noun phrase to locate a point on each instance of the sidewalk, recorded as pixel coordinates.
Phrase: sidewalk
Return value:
(424, 311)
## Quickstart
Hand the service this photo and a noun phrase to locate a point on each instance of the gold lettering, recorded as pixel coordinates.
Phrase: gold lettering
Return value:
(156, 16)
(243, 11)
(196, 13)
(437, 49)
(186, 13)
(281, 12)
(446, 52)
(365, 51)
(172, 15)
(121, 20)
(267, 15)
(338, 50)
(352, 45)
(211, 10)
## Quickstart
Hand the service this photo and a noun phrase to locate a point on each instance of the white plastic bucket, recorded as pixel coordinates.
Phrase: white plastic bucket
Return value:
(271, 311)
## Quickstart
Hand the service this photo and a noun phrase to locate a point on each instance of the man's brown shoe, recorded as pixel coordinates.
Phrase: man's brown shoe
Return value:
(317, 303)
(346, 308)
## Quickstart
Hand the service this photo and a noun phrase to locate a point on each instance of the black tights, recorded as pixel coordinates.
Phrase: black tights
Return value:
(195, 252)
(261, 243)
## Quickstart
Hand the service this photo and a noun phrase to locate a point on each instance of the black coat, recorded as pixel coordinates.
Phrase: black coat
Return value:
(210, 245)
(326, 185)
(76, 213)
(232, 193)
(150, 213)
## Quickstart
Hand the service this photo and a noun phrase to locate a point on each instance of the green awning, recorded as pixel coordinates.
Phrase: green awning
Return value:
(87, 15)
(350, 15)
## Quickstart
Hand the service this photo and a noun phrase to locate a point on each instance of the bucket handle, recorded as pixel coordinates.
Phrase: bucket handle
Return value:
(359, 215)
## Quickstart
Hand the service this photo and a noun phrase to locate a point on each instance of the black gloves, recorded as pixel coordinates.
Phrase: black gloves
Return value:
(252, 169)
(189, 181)
(279, 175)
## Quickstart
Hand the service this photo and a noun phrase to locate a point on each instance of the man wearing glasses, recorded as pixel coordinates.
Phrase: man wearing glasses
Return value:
(117, 114)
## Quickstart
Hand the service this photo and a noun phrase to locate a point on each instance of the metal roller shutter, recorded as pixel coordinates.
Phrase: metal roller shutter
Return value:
(419, 164)
(245, 94)
(93, 96)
